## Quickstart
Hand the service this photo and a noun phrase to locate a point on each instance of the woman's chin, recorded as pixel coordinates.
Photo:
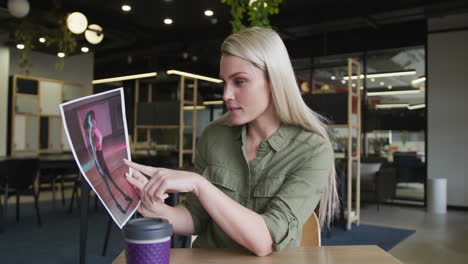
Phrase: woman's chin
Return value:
(238, 121)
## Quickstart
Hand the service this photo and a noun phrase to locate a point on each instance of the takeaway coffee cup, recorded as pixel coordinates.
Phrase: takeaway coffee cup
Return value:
(147, 240)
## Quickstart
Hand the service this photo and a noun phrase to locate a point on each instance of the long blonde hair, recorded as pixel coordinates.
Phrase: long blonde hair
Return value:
(264, 48)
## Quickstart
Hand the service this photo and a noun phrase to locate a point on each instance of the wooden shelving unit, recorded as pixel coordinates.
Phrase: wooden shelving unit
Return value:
(36, 125)
(353, 154)
(184, 84)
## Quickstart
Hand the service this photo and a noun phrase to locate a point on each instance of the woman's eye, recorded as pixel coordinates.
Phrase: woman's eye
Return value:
(239, 82)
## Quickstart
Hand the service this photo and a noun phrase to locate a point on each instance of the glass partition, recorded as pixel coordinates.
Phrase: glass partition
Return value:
(393, 111)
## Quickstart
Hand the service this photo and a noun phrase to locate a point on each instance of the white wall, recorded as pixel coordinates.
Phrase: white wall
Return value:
(4, 70)
(447, 83)
(77, 69)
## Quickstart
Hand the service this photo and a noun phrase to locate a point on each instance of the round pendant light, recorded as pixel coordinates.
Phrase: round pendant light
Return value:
(77, 22)
(94, 34)
(18, 8)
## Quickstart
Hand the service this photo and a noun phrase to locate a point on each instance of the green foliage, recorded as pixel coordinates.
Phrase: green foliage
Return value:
(51, 25)
(257, 11)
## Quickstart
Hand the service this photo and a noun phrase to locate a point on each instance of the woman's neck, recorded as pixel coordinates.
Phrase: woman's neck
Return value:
(264, 126)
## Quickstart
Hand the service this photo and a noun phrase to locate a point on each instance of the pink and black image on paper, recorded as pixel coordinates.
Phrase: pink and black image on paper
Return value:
(97, 132)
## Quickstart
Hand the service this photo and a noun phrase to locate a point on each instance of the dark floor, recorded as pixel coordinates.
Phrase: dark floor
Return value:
(25, 242)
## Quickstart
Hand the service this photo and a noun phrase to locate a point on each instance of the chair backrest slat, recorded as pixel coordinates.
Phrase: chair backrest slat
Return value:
(311, 232)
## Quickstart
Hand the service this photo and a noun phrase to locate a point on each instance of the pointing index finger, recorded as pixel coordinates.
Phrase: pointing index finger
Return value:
(142, 168)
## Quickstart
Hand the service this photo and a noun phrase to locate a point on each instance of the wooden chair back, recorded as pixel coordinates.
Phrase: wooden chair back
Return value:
(311, 232)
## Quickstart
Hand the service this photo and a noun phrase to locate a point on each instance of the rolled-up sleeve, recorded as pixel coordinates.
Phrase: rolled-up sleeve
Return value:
(199, 215)
(298, 196)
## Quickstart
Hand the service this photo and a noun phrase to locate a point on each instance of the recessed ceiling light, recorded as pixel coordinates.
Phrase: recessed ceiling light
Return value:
(372, 80)
(208, 12)
(61, 54)
(333, 77)
(419, 80)
(42, 40)
(167, 21)
(343, 81)
(382, 75)
(84, 49)
(389, 87)
(353, 85)
(191, 75)
(393, 93)
(126, 8)
(382, 83)
(418, 106)
(386, 106)
(20, 46)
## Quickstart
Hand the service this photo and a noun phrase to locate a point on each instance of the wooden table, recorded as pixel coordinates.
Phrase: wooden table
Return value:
(328, 254)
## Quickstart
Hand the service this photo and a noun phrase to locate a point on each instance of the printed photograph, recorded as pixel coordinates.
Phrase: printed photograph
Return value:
(96, 129)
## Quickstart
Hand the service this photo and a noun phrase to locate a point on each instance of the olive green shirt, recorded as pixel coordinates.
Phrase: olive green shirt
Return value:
(283, 183)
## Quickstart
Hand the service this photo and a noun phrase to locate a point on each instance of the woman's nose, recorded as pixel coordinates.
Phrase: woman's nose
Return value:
(228, 94)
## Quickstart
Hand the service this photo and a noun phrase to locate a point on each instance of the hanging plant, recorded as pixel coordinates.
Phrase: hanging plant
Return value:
(51, 25)
(256, 11)
(24, 35)
(64, 40)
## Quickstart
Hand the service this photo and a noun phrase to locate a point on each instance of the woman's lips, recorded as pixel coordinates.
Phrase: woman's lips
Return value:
(234, 109)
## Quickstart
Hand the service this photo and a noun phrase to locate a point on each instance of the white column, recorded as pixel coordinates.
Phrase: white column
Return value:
(4, 72)
(447, 89)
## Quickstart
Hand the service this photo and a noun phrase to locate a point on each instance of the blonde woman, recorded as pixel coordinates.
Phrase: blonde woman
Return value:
(261, 169)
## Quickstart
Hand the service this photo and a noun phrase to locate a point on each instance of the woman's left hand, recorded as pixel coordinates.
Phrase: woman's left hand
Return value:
(163, 181)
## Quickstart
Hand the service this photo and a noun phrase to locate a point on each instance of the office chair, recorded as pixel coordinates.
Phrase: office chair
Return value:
(311, 236)
(19, 179)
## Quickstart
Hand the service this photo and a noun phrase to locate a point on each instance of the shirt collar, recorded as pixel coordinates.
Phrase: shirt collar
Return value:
(280, 138)
(277, 141)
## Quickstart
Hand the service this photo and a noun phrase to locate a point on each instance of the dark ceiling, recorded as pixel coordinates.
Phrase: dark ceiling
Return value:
(139, 41)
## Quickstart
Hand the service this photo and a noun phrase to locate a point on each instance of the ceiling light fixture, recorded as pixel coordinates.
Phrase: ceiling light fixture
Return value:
(61, 54)
(167, 21)
(124, 78)
(42, 40)
(387, 106)
(393, 93)
(389, 87)
(418, 106)
(20, 46)
(382, 83)
(333, 77)
(418, 80)
(94, 34)
(208, 12)
(190, 107)
(126, 8)
(343, 81)
(18, 8)
(77, 22)
(84, 49)
(381, 75)
(195, 76)
(218, 102)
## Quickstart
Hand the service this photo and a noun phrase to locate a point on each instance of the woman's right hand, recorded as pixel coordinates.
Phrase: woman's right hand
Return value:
(148, 207)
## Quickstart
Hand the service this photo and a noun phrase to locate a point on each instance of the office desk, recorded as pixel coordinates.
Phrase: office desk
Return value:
(329, 255)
